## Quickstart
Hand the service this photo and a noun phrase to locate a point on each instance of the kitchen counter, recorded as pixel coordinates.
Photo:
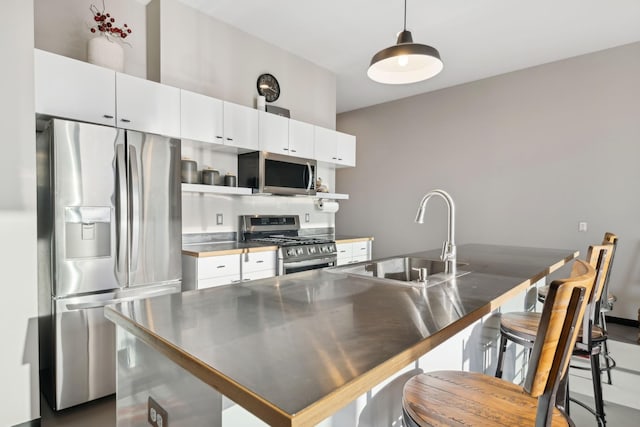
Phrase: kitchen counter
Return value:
(225, 248)
(295, 349)
(351, 239)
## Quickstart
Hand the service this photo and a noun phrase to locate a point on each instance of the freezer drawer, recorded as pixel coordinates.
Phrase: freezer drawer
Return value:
(84, 353)
(84, 345)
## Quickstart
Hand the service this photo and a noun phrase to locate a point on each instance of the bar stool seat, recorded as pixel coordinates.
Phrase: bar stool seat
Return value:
(450, 398)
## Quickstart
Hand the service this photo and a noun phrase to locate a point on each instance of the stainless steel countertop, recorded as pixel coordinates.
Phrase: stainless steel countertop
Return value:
(294, 349)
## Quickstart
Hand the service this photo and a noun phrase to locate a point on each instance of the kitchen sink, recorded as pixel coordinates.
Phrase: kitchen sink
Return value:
(404, 269)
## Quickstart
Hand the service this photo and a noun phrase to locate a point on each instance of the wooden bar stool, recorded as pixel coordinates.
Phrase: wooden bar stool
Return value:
(450, 398)
(522, 329)
(606, 304)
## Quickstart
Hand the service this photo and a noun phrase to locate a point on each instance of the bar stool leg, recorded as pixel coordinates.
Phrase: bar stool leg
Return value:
(607, 358)
(501, 350)
(597, 386)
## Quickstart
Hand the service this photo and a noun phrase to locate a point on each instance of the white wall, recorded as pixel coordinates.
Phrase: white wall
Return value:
(19, 393)
(526, 156)
(204, 55)
(62, 27)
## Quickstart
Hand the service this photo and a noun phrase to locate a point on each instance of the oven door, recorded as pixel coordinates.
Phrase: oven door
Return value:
(290, 266)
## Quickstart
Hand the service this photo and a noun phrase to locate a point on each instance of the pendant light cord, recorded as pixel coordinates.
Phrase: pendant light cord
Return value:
(405, 15)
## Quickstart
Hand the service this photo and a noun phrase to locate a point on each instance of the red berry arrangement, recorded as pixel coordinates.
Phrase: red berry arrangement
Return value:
(106, 24)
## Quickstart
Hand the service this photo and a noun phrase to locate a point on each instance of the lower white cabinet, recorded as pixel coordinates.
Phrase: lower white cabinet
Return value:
(352, 252)
(258, 265)
(207, 272)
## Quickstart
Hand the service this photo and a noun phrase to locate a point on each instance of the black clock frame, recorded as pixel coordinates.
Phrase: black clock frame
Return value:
(271, 94)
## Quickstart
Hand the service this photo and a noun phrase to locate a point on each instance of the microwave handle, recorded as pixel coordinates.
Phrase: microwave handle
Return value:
(310, 176)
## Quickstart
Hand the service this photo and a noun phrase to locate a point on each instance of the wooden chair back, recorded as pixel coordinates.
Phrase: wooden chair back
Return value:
(561, 317)
(609, 238)
(599, 257)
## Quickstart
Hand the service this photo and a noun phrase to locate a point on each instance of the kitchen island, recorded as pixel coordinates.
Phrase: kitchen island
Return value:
(295, 350)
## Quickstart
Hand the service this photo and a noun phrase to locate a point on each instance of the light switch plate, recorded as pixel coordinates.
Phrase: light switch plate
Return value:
(307, 217)
(219, 219)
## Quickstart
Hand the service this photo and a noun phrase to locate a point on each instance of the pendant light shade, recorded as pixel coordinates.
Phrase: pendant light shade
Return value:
(406, 61)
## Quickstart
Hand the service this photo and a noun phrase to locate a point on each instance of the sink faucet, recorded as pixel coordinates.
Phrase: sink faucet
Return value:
(449, 247)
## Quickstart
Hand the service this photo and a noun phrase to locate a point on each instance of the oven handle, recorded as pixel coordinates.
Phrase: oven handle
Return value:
(310, 262)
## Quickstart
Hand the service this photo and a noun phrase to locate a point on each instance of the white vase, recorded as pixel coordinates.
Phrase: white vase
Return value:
(105, 53)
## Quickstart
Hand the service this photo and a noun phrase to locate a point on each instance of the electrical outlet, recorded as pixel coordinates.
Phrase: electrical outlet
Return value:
(219, 219)
(156, 415)
(582, 226)
(307, 217)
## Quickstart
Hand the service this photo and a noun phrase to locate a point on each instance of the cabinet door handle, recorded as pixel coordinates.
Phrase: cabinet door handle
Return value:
(245, 280)
(293, 151)
(259, 261)
(125, 120)
(339, 158)
(333, 158)
(236, 281)
(107, 116)
(221, 266)
(229, 139)
(218, 137)
(285, 149)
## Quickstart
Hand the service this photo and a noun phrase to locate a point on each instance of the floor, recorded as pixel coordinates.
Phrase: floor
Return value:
(622, 405)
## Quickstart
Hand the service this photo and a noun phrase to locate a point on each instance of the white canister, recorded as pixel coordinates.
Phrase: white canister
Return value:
(261, 103)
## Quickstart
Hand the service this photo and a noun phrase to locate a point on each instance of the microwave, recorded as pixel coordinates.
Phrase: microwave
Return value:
(273, 173)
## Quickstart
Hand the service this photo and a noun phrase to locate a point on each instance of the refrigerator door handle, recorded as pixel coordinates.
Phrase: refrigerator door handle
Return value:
(134, 220)
(121, 240)
(98, 304)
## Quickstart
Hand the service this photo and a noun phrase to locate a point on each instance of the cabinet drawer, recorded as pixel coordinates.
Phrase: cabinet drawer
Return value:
(218, 281)
(255, 275)
(258, 261)
(360, 248)
(345, 250)
(218, 266)
(359, 258)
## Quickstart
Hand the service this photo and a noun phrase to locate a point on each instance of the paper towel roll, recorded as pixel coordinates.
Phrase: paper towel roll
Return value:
(261, 103)
(328, 206)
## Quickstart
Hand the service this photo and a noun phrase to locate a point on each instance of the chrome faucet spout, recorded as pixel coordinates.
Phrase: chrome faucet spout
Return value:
(449, 247)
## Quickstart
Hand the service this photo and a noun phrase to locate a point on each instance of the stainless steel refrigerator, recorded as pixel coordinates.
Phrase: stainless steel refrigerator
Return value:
(109, 230)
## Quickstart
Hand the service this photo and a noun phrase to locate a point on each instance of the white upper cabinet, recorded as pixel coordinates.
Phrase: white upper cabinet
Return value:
(147, 106)
(274, 133)
(325, 144)
(284, 136)
(240, 126)
(345, 149)
(301, 139)
(335, 147)
(74, 89)
(201, 117)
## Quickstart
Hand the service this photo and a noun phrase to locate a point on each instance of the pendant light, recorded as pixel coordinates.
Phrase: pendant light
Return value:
(406, 61)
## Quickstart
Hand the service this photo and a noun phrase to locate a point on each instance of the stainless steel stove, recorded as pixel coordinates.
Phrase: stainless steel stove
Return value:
(295, 253)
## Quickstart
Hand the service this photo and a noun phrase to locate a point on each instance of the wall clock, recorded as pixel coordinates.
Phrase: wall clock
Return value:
(268, 87)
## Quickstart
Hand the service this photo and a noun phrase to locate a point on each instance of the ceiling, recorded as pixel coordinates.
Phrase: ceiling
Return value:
(476, 38)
